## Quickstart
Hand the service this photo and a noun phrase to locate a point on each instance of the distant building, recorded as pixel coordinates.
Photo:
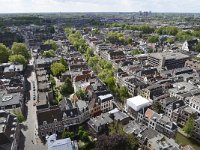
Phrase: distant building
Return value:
(167, 60)
(189, 45)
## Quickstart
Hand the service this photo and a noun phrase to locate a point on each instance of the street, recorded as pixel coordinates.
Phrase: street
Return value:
(29, 127)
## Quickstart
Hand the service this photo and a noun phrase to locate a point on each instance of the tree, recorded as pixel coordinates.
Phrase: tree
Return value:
(116, 38)
(197, 47)
(153, 39)
(64, 62)
(52, 43)
(85, 136)
(57, 68)
(189, 126)
(157, 107)
(146, 29)
(81, 94)
(4, 53)
(18, 59)
(110, 82)
(113, 142)
(129, 40)
(93, 61)
(170, 40)
(135, 52)
(67, 134)
(52, 80)
(20, 49)
(49, 53)
(20, 116)
(170, 30)
(67, 87)
(123, 92)
(184, 35)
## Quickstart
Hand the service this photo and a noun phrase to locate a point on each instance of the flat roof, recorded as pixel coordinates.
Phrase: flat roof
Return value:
(138, 102)
(105, 96)
(169, 55)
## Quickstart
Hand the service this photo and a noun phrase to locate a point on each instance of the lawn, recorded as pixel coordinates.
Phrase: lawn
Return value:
(180, 139)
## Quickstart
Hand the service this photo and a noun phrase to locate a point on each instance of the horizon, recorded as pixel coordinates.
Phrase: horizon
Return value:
(95, 6)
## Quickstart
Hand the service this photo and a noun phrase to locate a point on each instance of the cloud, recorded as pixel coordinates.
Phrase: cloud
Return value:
(98, 5)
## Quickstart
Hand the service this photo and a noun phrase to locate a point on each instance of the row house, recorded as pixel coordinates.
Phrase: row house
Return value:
(160, 123)
(134, 85)
(9, 131)
(55, 119)
(152, 91)
(194, 103)
(182, 114)
(106, 102)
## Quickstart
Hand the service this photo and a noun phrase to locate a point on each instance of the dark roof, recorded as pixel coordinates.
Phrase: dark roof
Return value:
(71, 112)
(65, 104)
(169, 100)
(149, 133)
(176, 104)
(10, 99)
(192, 43)
(5, 135)
(49, 115)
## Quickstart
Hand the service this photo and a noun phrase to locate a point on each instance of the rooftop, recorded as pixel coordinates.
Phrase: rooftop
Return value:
(138, 102)
(61, 144)
(169, 55)
(9, 99)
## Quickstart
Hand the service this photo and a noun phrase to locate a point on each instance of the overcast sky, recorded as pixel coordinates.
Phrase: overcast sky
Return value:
(12, 6)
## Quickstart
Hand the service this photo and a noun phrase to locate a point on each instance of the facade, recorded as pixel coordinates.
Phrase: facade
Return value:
(194, 103)
(152, 91)
(49, 121)
(9, 131)
(189, 45)
(160, 123)
(106, 102)
(182, 114)
(167, 60)
(196, 131)
(56, 119)
(134, 85)
(136, 104)
(192, 64)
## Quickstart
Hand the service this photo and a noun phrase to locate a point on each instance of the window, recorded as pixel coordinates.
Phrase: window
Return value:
(193, 105)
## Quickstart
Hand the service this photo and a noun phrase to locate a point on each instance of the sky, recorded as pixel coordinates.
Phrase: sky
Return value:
(28, 6)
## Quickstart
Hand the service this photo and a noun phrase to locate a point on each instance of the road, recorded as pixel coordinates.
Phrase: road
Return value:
(29, 131)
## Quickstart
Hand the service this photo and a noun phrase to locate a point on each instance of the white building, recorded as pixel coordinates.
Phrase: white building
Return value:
(61, 144)
(194, 103)
(106, 102)
(136, 104)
